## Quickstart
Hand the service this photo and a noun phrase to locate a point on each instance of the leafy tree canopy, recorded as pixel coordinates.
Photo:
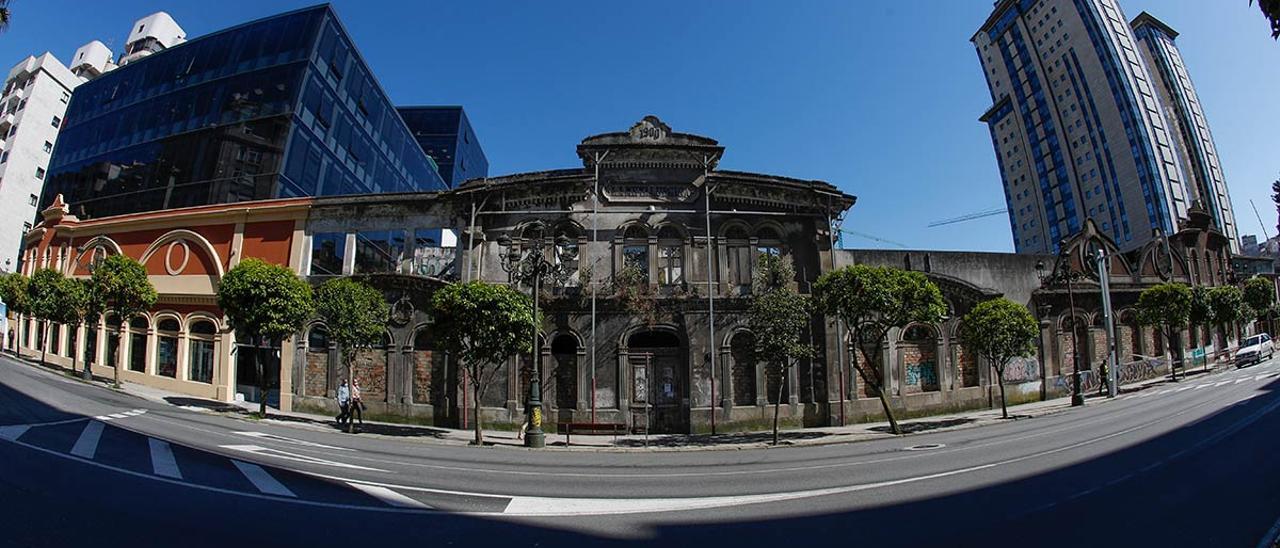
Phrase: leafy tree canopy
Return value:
(13, 290)
(1259, 294)
(354, 313)
(778, 315)
(1167, 304)
(482, 324)
(1201, 310)
(1271, 10)
(1000, 329)
(1228, 305)
(879, 297)
(263, 299)
(43, 295)
(122, 284)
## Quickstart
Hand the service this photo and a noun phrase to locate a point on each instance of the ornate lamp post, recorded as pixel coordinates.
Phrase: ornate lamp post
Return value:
(1062, 272)
(528, 262)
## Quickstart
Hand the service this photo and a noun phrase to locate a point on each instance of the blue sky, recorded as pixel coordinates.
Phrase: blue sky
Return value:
(880, 98)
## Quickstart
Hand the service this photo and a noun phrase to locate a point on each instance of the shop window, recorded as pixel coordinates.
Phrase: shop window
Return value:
(200, 355)
(138, 344)
(167, 348)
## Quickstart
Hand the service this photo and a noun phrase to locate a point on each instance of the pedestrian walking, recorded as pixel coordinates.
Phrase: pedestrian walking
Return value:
(344, 403)
(357, 403)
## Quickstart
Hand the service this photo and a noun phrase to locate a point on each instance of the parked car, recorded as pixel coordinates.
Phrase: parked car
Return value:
(1255, 349)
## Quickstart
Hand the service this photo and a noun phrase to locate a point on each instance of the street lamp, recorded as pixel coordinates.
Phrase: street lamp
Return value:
(528, 262)
(1062, 272)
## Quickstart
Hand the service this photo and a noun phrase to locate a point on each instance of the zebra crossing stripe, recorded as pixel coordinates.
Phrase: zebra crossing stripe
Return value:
(87, 444)
(388, 496)
(162, 461)
(12, 433)
(262, 480)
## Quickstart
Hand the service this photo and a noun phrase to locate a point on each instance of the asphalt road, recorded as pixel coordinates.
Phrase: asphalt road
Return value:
(1186, 464)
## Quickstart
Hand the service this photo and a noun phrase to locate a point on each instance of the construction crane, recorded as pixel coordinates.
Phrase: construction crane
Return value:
(970, 216)
(1260, 223)
(843, 231)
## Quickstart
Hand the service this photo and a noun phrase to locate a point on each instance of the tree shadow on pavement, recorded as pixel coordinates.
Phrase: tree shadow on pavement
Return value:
(383, 429)
(915, 427)
(707, 440)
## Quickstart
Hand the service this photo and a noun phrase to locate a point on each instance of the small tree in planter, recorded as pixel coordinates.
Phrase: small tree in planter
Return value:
(264, 301)
(1000, 330)
(45, 301)
(871, 300)
(482, 325)
(779, 317)
(355, 315)
(1168, 307)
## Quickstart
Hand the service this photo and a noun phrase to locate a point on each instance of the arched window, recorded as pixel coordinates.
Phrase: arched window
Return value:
(54, 331)
(742, 348)
(564, 351)
(113, 340)
(167, 348)
(138, 344)
(768, 242)
(670, 256)
(91, 343)
(316, 375)
(200, 356)
(920, 356)
(569, 255)
(635, 250)
(429, 373)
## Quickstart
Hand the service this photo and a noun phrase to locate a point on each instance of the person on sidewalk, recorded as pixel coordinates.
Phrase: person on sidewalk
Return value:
(357, 403)
(344, 403)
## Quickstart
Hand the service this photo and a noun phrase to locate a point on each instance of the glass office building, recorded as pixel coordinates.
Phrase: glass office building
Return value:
(279, 107)
(445, 134)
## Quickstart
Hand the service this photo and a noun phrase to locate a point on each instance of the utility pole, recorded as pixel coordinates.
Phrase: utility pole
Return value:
(1112, 389)
(711, 289)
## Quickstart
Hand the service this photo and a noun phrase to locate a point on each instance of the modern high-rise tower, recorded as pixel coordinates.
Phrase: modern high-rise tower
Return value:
(1094, 117)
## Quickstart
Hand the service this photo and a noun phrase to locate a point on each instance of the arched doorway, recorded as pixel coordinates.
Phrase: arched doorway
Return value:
(659, 356)
(564, 357)
(742, 348)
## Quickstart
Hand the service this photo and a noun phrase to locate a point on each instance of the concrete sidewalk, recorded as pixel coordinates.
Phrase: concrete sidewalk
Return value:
(730, 441)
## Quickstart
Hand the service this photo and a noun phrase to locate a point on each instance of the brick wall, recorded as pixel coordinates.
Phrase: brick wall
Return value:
(968, 366)
(921, 361)
(422, 375)
(371, 371)
(316, 372)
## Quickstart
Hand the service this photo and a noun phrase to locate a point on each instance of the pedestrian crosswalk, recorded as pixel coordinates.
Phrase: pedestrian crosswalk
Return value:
(97, 441)
(1261, 374)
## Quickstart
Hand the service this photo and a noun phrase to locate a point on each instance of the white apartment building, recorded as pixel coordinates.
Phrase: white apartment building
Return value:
(32, 106)
(34, 100)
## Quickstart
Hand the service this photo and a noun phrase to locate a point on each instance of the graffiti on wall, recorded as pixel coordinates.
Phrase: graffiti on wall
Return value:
(922, 374)
(1022, 370)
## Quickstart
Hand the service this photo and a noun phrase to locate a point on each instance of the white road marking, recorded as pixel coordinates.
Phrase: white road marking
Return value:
(87, 444)
(388, 496)
(1163, 392)
(1203, 386)
(1238, 381)
(117, 415)
(267, 452)
(162, 461)
(291, 441)
(12, 432)
(262, 480)
(1184, 388)
(1222, 383)
(1259, 377)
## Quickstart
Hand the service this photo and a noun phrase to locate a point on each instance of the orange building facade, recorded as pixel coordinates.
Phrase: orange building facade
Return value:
(183, 344)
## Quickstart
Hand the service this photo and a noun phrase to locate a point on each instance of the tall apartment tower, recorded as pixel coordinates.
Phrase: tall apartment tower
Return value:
(151, 34)
(32, 107)
(1087, 124)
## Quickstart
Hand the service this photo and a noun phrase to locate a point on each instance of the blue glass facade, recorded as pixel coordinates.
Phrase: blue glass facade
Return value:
(279, 107)
(445, 134)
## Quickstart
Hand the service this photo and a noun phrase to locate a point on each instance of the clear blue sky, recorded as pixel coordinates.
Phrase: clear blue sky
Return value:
(880, 98)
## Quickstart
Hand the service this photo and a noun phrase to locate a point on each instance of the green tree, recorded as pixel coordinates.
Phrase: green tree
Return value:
(4, 15)
(1168, 307)
(1202, 314)
(355, 315)
(1260, 295)
(1229, 308)
(81, 305)
(122, 285)
(45, 301)
(266, 302)
(1271, 10)
(1000, 330)
(482, 326)
(872, 300)
(13, 291)
(779, 318)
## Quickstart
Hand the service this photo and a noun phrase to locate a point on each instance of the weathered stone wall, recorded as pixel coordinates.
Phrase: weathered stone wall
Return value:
(371, 371)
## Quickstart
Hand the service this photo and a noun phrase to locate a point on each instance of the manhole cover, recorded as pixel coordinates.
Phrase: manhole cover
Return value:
(924, 447)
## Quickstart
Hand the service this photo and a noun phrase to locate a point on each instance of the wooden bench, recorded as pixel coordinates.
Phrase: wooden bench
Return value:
(588, 428)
